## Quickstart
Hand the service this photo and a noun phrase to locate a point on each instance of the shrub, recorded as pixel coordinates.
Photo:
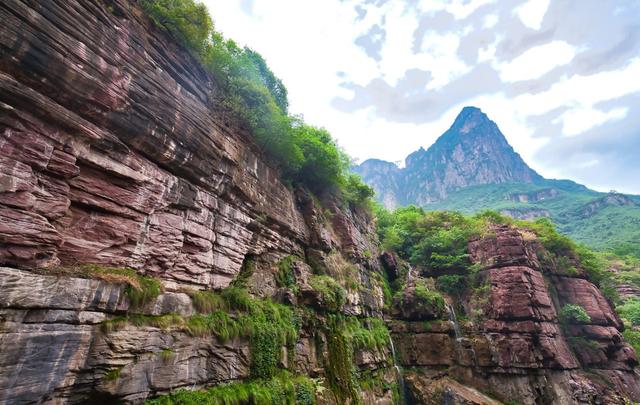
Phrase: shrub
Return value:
(368, 334)
(452, 284)
(425, 297)
(286, 276)
(332, 294)
(187, 20)
(573, 313)
(630, 311)
(283, 388)
(139, 289)
(633, 338)
(306, 155)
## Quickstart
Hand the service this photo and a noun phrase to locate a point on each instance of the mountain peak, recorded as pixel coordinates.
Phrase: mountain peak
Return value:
(471, 152)
(470, 118)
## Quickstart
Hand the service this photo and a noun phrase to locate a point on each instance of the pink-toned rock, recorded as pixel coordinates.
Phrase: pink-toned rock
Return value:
(588, 296)
(519, 293)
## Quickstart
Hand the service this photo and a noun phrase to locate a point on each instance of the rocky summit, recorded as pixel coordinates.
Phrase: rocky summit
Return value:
(152, 251)
(472, 152)
(472, 167)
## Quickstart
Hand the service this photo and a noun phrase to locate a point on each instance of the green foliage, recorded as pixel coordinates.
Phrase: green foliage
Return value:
(580, 344)
(113, 374)
(573, 313)
(286, 275)
(356, 192)
(187, 20)
(367, 334)
(437, 240)
(339, 365)
(452, 284)
(140, 289)
(281, 389)
(306, 155)
(611, 228)
(428, 298)
(146, 290)
(633, 338)
(164, 322)
(229, 314)
(206, 301)
(333, 295)
(166, 354)
(630, 311)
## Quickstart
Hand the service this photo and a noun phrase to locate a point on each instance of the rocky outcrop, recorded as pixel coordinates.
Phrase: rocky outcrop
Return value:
(533, 196)
(115, 150)
(511, 341)
(527, 214)
(612, 199)
(472, 152)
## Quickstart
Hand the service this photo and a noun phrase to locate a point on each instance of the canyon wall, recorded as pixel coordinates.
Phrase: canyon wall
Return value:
(512, 343)
(115, 151)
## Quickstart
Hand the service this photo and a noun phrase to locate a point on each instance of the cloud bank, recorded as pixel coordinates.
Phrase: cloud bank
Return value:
(561, 78)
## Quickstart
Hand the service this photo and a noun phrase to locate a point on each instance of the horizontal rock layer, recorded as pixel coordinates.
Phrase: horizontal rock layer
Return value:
(514, 344)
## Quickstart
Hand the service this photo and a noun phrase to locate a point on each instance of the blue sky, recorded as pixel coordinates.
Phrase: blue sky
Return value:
(560, 78)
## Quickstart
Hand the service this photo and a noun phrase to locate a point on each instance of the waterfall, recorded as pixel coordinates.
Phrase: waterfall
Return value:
(461, 343)
(454, 320)
(401, 387)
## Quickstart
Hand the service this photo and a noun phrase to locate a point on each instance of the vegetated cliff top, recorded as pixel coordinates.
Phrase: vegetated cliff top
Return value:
(472, 167)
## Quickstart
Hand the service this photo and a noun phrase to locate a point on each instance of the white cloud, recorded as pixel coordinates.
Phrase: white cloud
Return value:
(458, 8)
(490, 21)
(536, 61)
(532, 13)
(578, 120)
(306, 43)
(584, 91)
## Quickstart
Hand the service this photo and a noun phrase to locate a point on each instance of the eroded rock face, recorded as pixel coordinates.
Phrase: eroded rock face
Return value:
(513, 343)
(114, 150)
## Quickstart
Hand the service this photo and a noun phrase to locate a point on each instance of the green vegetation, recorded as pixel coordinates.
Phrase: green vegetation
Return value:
(452, 284)
(608, 227)
(113, 374)
(339, 365)
(306, 155)
(229, 314)
(286, 276)
(166, 354)
(333, 295)
(283, 388)
(580, 344)
(573, 313)
(164, 322)
(633, 338)
(140, 289)
(630, 311)
(367, 334)
(428, 298)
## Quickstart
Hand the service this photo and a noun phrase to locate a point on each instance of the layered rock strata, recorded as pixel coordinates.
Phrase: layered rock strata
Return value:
(511, 342)
(114, 151)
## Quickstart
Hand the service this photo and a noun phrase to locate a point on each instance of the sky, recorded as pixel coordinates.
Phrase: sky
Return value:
(561, 78)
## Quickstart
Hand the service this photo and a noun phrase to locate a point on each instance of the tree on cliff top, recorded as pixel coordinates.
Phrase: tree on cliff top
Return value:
(306, 155)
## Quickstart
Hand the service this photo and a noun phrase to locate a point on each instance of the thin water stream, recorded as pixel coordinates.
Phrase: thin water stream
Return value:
(401, 387)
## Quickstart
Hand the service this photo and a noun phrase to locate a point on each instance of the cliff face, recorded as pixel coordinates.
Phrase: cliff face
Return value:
(513, 343)
(114, 152)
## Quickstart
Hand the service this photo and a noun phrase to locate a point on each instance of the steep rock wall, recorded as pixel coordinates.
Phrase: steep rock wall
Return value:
(114, 151)
(512, 343)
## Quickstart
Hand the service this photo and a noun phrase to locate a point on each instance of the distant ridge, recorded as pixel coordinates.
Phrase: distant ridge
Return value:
(472, 167)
